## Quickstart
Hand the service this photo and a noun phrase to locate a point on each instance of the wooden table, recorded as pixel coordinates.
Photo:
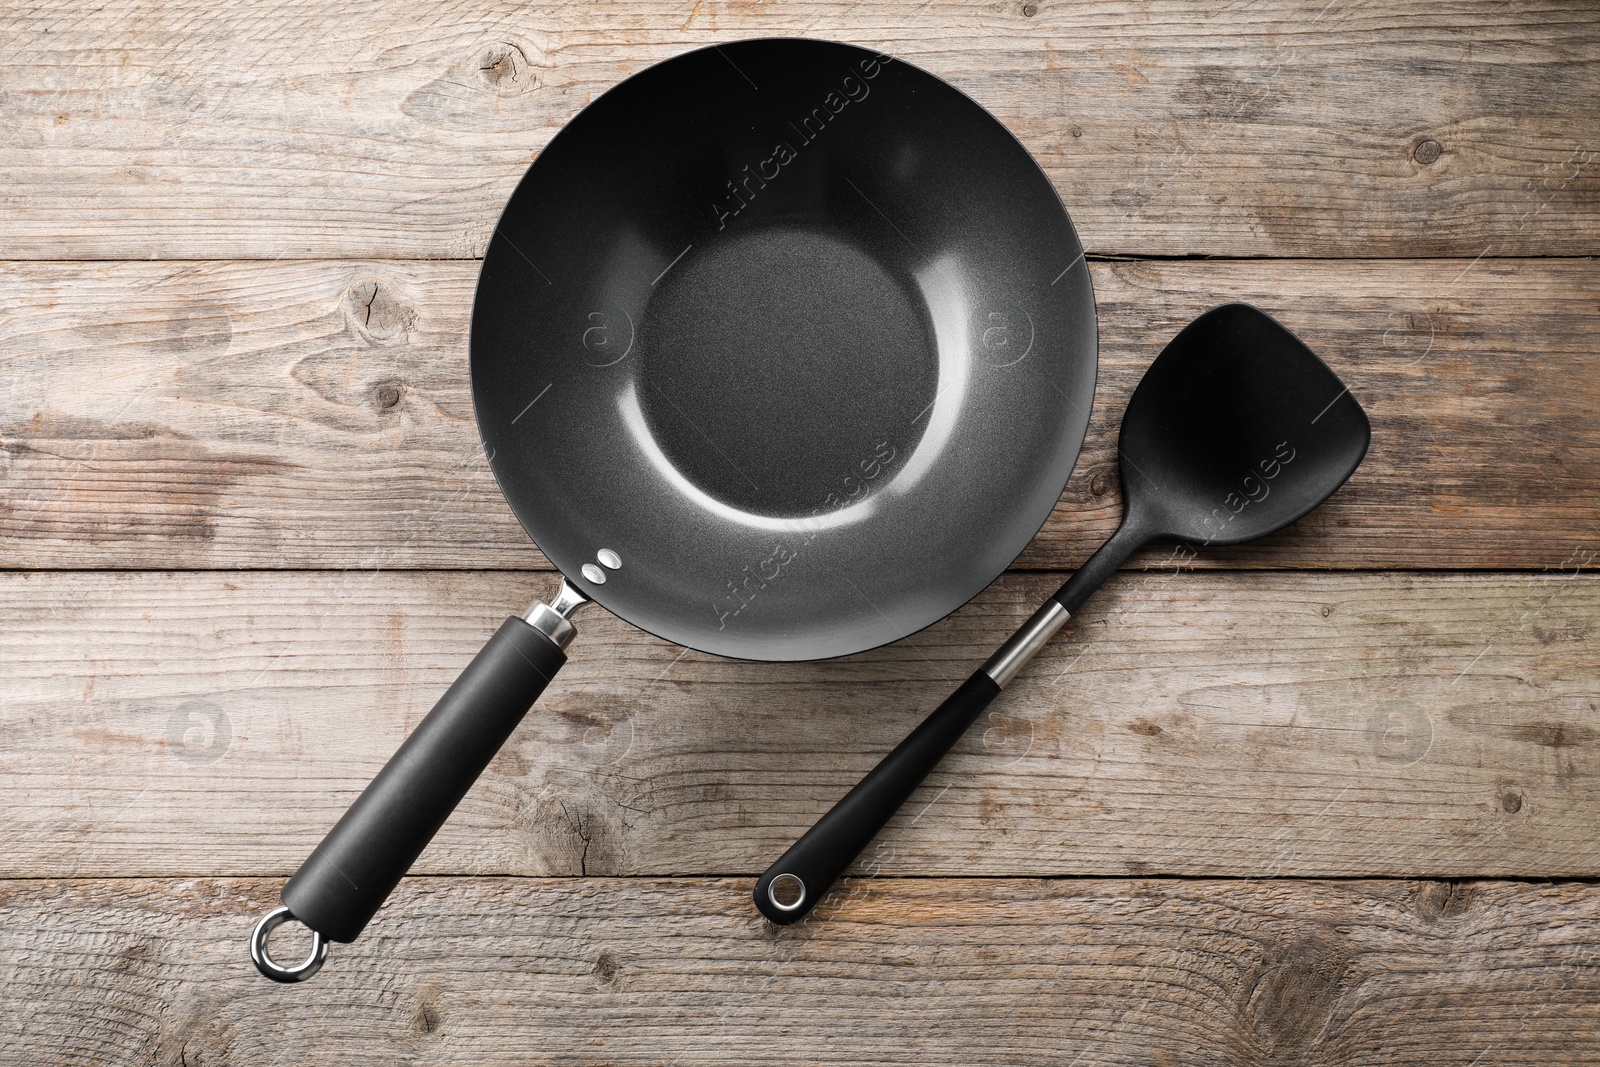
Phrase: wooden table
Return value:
(1328, 799)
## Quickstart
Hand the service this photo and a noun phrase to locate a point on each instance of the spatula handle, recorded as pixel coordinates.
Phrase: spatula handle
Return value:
(793, 885)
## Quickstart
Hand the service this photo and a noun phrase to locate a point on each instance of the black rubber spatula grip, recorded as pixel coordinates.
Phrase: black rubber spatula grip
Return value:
(792, 886)
(348, 877)
(802, 875)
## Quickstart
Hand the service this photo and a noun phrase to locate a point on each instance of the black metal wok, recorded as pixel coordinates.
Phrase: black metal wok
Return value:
(769, 354)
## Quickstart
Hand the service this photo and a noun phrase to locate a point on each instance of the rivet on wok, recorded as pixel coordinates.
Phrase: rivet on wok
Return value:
(594, 574)
(609, 558)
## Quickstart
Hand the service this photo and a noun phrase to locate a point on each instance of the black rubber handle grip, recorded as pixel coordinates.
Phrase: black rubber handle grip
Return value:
(818, 858)
(347, 878)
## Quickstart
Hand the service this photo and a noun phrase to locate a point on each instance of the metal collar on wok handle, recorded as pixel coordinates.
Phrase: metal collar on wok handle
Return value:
(349, 875)
(554, 620)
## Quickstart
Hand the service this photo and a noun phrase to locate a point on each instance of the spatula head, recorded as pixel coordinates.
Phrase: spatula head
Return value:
(1237, 430)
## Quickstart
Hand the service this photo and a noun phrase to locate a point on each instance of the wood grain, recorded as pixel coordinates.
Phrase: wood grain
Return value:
(318, 414)
(382, 128)
(1249, 724)
(962, 971)
(246, 538)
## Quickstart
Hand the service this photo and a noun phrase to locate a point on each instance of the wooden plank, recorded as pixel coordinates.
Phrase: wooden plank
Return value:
(1247, 724)
(644, 971)
(318, 414)
(198, 129)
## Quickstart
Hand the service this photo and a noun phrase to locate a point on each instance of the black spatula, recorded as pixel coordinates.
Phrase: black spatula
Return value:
(1236, 430)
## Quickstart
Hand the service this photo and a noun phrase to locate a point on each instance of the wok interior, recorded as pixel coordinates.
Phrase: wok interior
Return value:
(781, 360)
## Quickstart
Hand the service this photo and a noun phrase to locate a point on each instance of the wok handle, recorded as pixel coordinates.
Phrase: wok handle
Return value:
(347, 878)
(802, 876)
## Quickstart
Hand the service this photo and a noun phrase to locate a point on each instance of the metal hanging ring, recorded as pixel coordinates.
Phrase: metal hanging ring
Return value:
(275, 970)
